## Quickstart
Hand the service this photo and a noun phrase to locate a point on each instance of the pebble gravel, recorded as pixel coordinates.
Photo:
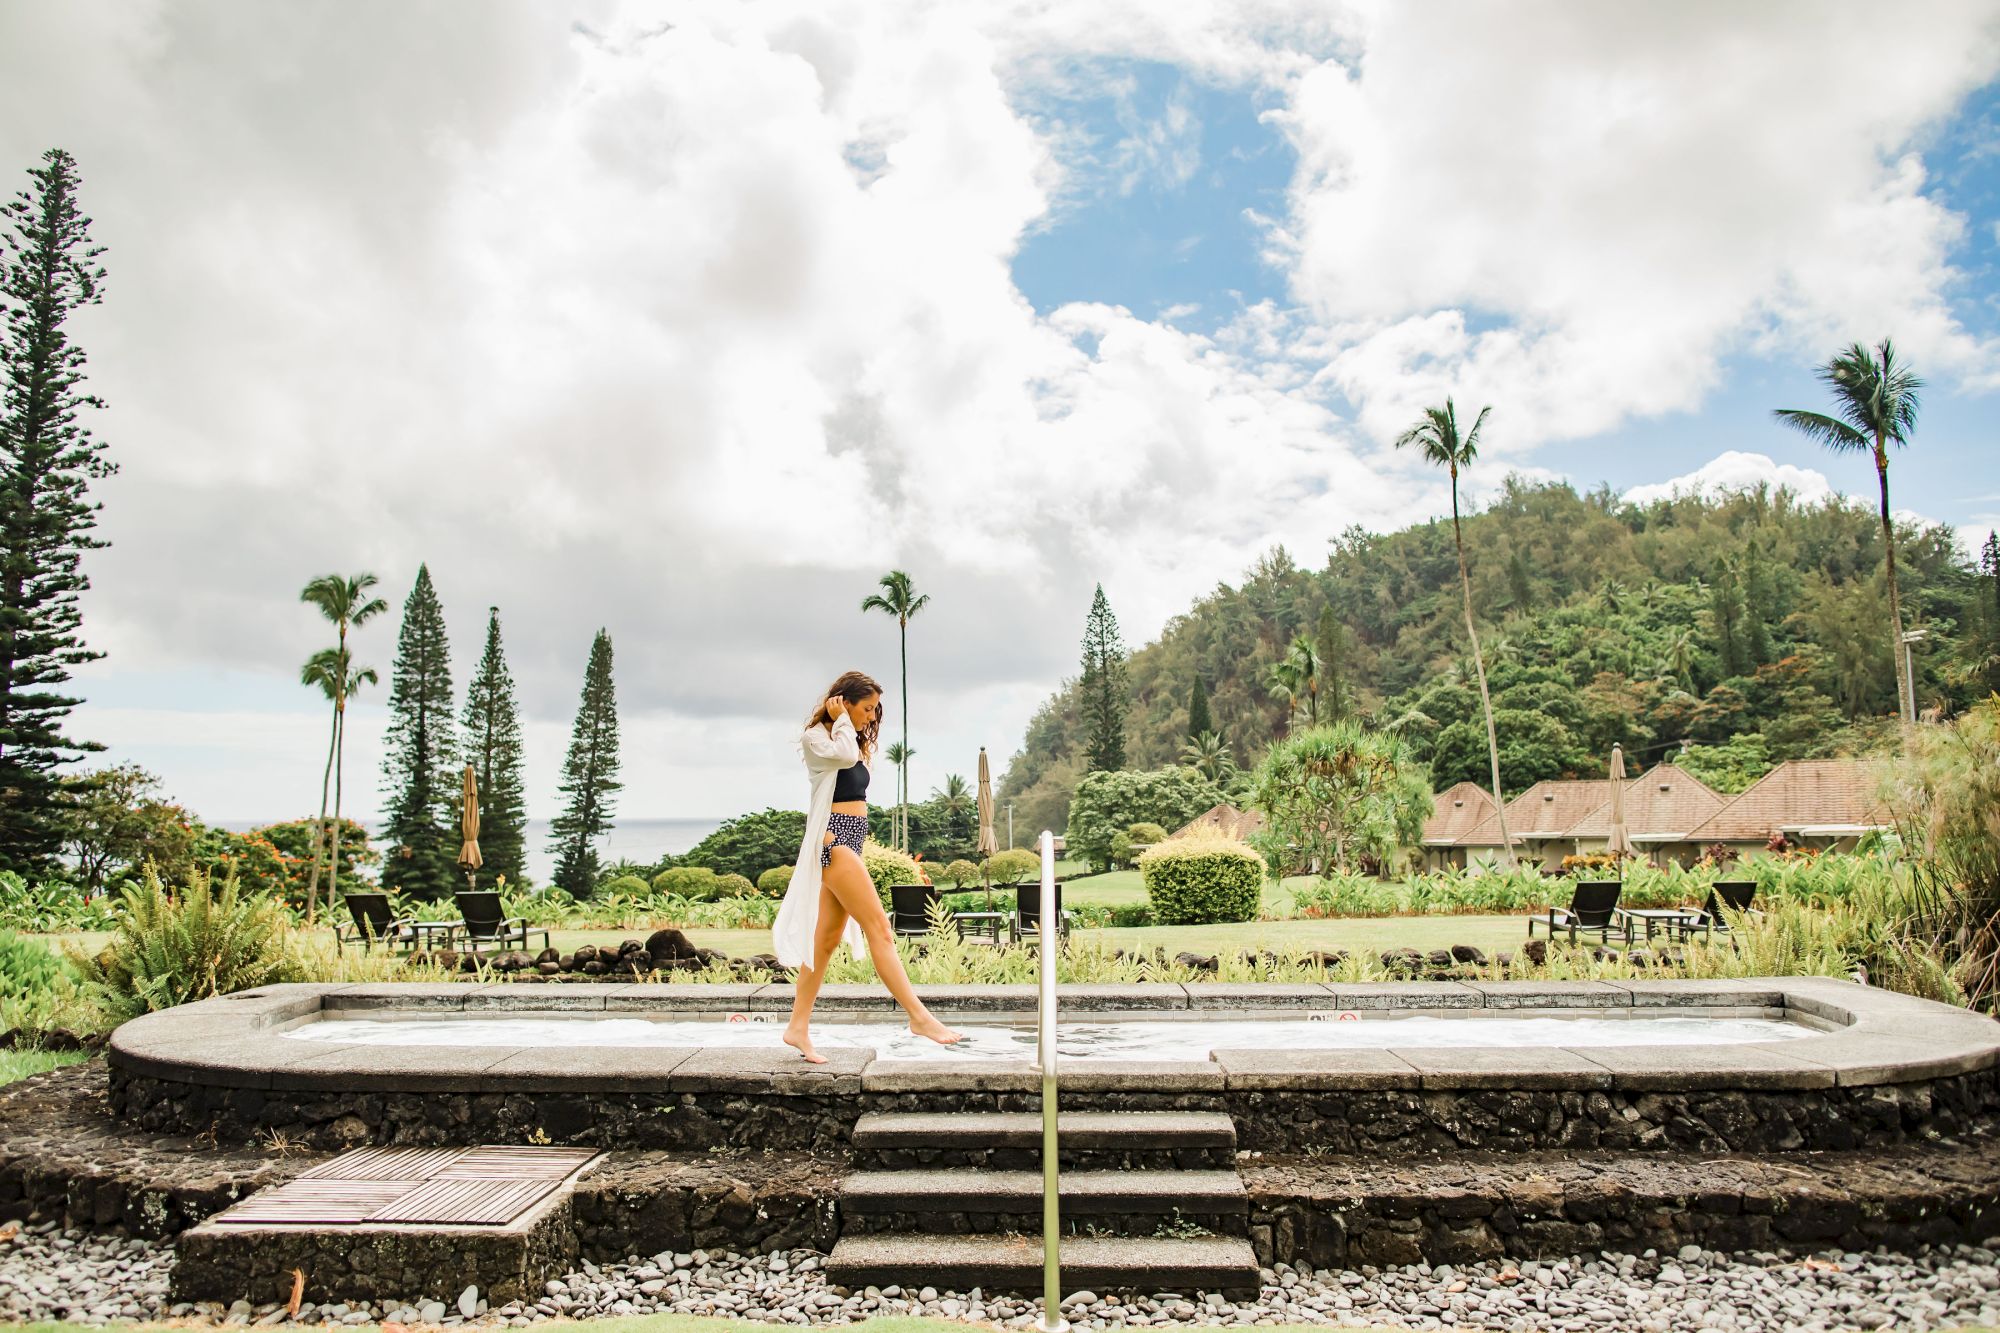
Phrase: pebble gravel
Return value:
(47, 1274)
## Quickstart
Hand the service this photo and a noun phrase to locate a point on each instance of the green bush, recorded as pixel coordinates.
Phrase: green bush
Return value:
(695, 883)
(773, 882)
(50, 906)
(1109, 801)
(887, 866)
(202, 942)
(624, 886)
(734, 886)
(1202, 878)
(1145, 835)
(27, 968)
(741, 845)
(960, 873)
(1013, 866)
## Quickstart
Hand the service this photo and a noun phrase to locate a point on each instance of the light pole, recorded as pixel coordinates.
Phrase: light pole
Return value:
(1910, 637)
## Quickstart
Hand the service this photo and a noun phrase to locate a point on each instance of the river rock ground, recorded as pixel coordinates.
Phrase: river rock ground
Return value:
(50, 1274)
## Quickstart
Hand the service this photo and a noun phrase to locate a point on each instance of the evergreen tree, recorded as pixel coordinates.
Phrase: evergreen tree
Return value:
(1989, 605)
(48, 270)
(1199, 719)
(491, 734)
(590, 774)
(1104, 694)
(422, 858)
(1727, 614)
(1330, 645)
(1760, 606)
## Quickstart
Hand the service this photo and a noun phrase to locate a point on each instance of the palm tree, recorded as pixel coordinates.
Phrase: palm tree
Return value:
(900, 755)
(1680, 656)
(1877, 402)
(957, 803)
(1295, 679)
(332, 671)
(344, 601)
(1210, 755)
(899, 599)
(1437, 438)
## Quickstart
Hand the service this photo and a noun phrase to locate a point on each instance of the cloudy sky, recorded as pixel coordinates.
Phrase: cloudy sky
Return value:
(689, 320)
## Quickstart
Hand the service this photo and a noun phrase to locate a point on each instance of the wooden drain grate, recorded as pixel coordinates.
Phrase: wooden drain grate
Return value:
(488, 1186)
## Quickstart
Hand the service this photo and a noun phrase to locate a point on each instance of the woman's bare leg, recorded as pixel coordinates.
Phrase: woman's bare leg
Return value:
(826, 938)
(849, 882)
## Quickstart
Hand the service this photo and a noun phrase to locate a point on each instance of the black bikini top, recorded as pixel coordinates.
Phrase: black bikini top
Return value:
(851, 783)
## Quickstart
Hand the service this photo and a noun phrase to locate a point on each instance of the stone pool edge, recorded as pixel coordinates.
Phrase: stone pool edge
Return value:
(1877, 1037)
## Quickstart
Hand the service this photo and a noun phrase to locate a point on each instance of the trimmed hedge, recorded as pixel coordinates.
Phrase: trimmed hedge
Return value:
(734, 886)
(695, 883)
(773, 882)
(1202, 878)
(625, 886)
(887, 866)
(1013, 866)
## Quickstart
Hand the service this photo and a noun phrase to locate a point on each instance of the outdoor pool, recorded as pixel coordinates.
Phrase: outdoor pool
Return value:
(1086, 1039)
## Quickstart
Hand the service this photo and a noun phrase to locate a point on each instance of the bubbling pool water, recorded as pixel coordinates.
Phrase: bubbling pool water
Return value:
(1127, 1039)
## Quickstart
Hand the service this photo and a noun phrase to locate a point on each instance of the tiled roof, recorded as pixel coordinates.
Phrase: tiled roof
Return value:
(1549, 809)
(1225, 819)
(1458, 811)
(1799, 793)
(1651, 812)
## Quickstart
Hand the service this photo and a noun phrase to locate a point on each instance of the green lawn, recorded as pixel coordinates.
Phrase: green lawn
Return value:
(15, 1065)
(1354, 934)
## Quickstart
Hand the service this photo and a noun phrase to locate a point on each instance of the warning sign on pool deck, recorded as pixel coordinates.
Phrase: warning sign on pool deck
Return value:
(748, 1018)
(1331, 1016)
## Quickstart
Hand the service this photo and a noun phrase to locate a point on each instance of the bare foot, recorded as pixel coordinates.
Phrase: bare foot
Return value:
(803, 1042)
(936, 1031)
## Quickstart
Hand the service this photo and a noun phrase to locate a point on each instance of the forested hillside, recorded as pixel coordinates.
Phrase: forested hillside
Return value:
(1750, 622)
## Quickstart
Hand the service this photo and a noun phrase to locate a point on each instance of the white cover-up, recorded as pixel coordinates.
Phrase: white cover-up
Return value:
(827, 751)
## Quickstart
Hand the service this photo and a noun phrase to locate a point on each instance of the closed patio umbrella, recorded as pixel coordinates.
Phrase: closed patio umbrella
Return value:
(1619, 843)
(468, 827)
(989, 842)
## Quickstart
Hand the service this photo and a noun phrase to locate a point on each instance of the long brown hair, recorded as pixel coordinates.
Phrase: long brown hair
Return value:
(853, 687)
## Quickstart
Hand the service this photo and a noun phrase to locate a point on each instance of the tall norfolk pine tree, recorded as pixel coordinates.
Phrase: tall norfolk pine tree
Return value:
(48, 271)
(1103, 688)
(422, 857)
(490, 733)
(590, 776)
(1200, 721)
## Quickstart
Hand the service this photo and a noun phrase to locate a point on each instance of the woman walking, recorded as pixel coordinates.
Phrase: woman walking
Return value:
(831, 897)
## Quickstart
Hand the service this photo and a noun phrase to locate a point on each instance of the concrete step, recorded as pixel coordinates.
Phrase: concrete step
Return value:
(1131, 1140)
(1083, 1193)
(1013, 1263)
(1023, 1129)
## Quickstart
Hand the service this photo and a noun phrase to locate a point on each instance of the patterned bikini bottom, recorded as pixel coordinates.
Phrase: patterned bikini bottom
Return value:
(847, 831)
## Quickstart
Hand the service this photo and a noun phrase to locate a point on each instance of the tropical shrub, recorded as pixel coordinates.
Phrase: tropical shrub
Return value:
(1202, 878)
(39, 993)
(887, 866)
(745, 845)
(1339, 793)
(1145, 835)
(624, 886)
(734, 886)
(51, 906)
(1013, 866)
(960, 873)
(696, 883)
(1108, 802)
(773, 882)
(201, 942)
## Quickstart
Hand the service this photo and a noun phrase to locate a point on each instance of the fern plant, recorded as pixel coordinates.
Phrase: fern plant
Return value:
(172, 949)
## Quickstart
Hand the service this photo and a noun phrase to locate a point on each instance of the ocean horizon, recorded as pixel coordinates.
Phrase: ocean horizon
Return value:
(643, 840)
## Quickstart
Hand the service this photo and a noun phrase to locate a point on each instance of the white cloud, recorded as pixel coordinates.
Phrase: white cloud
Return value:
(691, 329)
(1736, 470)
(1575, 211)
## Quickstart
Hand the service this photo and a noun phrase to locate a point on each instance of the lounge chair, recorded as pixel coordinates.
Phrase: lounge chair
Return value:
(1028, 911)
(910, 908)
(1593, 909)
(484, 921)
(374, 922)
(1732, 894)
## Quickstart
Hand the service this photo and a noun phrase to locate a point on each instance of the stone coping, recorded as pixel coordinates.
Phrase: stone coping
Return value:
(1867, 1037)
